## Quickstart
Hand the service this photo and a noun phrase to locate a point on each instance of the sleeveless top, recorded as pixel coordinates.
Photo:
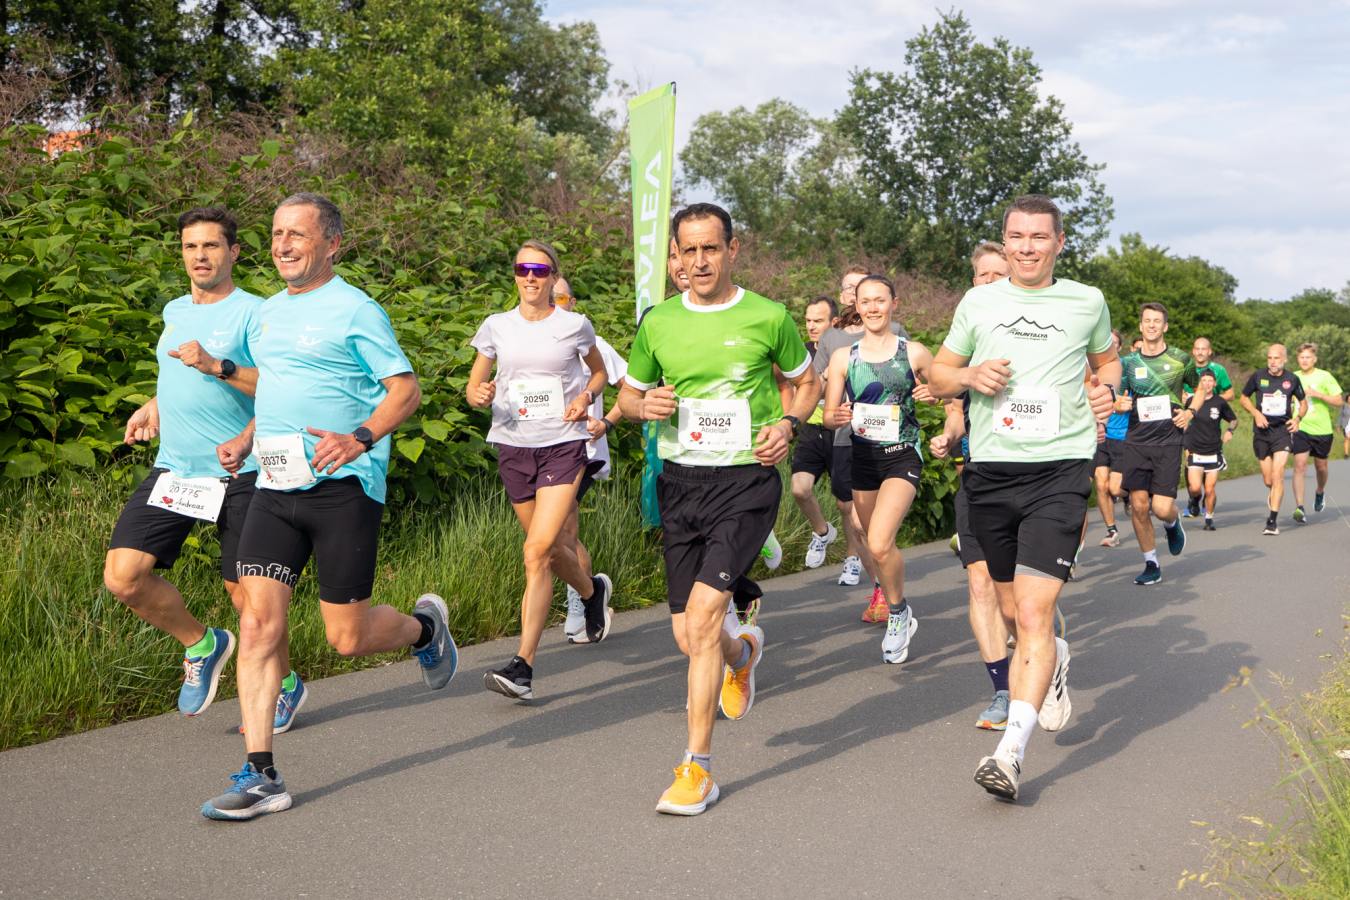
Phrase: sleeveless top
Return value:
(888, 383)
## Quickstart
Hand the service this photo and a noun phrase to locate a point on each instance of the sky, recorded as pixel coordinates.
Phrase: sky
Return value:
(1224, 127)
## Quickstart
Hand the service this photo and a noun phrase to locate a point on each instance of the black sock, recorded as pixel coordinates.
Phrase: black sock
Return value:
(1273, 516)
(998, 673)
(1110, 529)
(262, 762)
(428, 629)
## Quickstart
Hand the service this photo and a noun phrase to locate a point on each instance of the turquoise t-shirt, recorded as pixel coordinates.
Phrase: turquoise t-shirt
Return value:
(1046, 334)
(322, 356)
(199, 411)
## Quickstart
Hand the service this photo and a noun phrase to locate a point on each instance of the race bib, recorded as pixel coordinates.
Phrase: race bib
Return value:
(1204, 458)
(283, 462)
(877, 422)
(198, 498)
(534, 399)
(1275, 404)
(1153, 409)
(714, 424)
(1029, 410)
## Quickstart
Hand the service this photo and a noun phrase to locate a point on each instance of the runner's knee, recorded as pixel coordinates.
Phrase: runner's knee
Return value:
(537, 555)
(259, 633)
(345, 640)
(126, 579)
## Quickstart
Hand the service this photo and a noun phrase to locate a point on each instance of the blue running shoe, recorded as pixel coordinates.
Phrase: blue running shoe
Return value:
(288, 704)
(201, 674)
(253, 794)
(1176, 538)
(1152, 574)
(440, 657)
(1319, 502)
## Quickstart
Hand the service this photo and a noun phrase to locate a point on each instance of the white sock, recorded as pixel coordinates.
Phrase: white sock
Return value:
(1021, 722)
(1151, 556)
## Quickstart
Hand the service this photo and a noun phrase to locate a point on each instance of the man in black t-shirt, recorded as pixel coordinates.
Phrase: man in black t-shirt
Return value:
(1274, 389)
(1204, 442)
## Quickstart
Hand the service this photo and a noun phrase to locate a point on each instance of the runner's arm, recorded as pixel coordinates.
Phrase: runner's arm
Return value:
(193, 355)
(1107, 371)
(921, 362)
(576, 410)
(334, 449)
(143, 424)
(837, 412)
(233, 453)
(481, 388)
(951, 374)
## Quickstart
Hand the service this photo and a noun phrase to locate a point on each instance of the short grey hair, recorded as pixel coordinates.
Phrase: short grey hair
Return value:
(330, 217)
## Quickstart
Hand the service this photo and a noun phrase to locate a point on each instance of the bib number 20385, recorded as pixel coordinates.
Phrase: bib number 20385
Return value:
(283, 462)
(714, 424)
(1027, 410)
(198, 498)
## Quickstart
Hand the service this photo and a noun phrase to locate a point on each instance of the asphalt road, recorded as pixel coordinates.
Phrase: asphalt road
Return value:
(849, 777)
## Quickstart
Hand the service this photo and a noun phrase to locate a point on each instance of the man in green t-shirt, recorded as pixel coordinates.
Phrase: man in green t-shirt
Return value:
(702, 365)
(1202, 354)
(1020, 346)
(1313, 438)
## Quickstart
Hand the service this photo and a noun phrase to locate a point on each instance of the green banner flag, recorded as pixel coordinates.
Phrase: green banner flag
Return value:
(651, 137)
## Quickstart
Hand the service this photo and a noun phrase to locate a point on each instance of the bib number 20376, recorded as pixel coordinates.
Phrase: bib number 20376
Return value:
(198, 498)
(1027, 411)
(714, 424)
(283, 462)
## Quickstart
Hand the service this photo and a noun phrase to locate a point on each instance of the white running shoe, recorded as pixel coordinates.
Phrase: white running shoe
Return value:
(1056, 708)
(900, 627)
(815, 553)
(851, 574)
(999, 776)
(772, 552)
(575, 623)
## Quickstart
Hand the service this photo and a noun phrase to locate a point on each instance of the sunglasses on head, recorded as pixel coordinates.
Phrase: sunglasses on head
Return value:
(538, 270)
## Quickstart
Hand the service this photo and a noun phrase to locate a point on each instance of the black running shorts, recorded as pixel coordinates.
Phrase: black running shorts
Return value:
(873, 464)
(588, 474)
(714, 520)
(1109, 455)
(970, 549)
(841, 473)
(813, 452)
(1266, 442)
(1319, 445)
(335, 521)
(159, 532)
(1152, 467)
(1206, 462)
(1028, 516)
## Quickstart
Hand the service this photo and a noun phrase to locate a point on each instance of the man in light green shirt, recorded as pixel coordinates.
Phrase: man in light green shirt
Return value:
(1313, 437)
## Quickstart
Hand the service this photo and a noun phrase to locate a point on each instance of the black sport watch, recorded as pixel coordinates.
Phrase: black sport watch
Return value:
(363, 435)
(795, 422)
(227, 369)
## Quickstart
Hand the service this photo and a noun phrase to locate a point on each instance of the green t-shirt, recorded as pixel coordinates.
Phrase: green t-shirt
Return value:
(1169, 374)
(1046, 334)
(1221, 380)
(722, 352)
(1318, 420)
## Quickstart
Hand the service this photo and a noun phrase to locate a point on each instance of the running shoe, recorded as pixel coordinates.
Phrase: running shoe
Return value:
(288, 704)
(995, 718)
(748, 616)
(955, 545)
(877, 608)
(692, 792)
(512, 680)
(900, 627)
(252, 794)
(201, 674)
(999, 776)
(1299, 515)
(1272, 527)
(1209, 525)
(1112, 539)
(772, 552)
(1152, 574)
(1319, 502)
(738, 685)
(1057, 707)
(732, 620)
(851, 573)
(440, 657)
(599, 615)
(820, 543)
(575, 623)
(1176, 538)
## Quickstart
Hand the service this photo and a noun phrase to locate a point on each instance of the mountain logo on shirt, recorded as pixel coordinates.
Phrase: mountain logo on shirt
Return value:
(1026, 329)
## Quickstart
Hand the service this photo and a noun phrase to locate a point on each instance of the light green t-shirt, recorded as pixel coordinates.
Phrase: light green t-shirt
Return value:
(1319, 418)
(1046, 334)
(722, 352)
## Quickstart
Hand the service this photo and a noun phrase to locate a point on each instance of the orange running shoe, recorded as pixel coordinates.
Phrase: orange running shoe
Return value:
(877, 610)
(738, 685)
(692, 792)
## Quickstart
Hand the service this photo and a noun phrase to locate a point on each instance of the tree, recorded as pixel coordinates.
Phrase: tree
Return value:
(1333, 348)
(945, 144)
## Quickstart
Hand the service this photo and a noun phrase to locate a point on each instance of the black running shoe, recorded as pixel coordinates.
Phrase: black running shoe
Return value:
(599, 616)
(1209, 525)
(512, 680)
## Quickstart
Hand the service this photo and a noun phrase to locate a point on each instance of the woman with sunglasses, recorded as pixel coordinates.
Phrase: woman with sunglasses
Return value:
(872, 387)
(548, 373)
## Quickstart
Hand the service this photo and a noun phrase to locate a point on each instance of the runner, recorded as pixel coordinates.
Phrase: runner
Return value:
(598, 424)
(1202, 354)
(1153, 391)
(1344, 425)
(333, 384)
(1033, 437)
(1273, 425)
(1204, 444)
(1313, 438)
(203, 397)
(1106, 473)
(814, 452)
(879, 375)
(723, 432)
(549, 373)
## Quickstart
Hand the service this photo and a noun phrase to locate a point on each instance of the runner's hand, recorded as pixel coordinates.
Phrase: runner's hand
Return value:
(659, 403)
(1291, 426)
(1101, 399)
(843, 414)
(482, 396)
(939, 445)
(1124, 403)
(334, 450)
(595, 428)
(193, 355)
(1181, 419)
(1260, 419)
(1227, 435)
(772, 445)
(577, 409)
(234, 452)
(990, 376)
(143, 424)
(922, 394)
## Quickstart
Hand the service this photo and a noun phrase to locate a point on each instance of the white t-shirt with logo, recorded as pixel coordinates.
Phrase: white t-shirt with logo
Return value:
(615, 370)
(539, 372)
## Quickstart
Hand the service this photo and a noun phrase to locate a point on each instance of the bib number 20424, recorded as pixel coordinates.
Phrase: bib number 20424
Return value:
(714, 425)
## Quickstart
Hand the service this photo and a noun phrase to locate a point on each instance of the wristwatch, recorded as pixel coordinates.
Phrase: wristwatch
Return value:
(795, 422)
(363, 435)
(227, 369)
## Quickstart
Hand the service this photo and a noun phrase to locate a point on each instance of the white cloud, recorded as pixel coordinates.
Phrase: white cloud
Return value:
(1283, 261)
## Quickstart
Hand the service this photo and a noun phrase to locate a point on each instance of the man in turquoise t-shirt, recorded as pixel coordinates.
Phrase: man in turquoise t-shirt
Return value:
(1020, 346)
(203, 397)
(723, 430)
(333, 384)
(1313, 438)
